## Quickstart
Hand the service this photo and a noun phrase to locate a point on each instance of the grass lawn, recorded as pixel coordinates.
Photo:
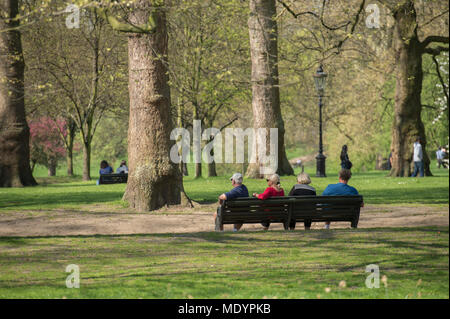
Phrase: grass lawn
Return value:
(271, 264)
(72, 193)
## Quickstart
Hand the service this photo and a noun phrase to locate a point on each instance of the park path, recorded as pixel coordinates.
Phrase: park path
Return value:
(199, 219)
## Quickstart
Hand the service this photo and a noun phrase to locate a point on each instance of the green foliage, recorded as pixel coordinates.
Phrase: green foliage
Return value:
(110, 141)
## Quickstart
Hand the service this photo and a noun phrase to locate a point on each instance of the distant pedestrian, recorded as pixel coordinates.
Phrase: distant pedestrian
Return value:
(444, 157)
(345, 161)
(439, 157)
(418, 159)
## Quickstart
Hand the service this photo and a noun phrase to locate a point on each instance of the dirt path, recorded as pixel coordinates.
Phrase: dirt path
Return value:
(64, 222)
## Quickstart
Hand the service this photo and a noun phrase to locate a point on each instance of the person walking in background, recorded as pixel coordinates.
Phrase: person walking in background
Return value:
(122, 168)
(345, 161)
(273, 189)
(439, 157)
(418, 159)
(444, 155)
(340, 189)
(302, 189)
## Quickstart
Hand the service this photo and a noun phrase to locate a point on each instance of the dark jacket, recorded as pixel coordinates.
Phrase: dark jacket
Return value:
(302, 190)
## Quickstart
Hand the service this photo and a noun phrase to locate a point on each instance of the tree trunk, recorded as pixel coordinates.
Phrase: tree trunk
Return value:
(69, 159)
(153, 180)
(212, 166)
(33, 165)
(407, 124)
(184, 169)
(86, 161)
(15, 168)
(265, 90)
(71, 128)
(198, 170)
(212, 169)
(51, 166)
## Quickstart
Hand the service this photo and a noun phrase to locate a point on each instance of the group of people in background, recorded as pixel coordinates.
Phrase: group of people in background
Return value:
(302, 188)
(105, 168)
(441, 155)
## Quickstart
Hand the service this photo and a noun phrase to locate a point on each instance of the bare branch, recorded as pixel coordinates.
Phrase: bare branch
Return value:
(434, 38)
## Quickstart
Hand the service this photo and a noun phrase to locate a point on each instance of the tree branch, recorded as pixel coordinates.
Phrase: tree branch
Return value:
(434, 38)
(444, 87)
(435, 51)
(148, 27)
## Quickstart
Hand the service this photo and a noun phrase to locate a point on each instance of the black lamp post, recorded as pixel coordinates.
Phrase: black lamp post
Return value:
(319, 80)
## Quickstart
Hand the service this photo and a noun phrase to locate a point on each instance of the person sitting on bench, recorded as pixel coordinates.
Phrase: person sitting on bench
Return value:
(122, 168)
(274, 189)
(340, 189)
(302, 189)
(105, 168)
(239, 190)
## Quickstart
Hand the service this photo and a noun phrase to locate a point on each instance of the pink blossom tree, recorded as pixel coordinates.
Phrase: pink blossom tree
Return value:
(47, 142)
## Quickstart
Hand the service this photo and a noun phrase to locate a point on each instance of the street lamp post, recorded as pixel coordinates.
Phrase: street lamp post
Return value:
(319, 80)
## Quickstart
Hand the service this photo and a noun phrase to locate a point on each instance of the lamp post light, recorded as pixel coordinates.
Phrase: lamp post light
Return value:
(319, 80)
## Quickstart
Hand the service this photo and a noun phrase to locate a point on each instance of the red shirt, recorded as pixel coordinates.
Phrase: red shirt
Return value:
(271, 192)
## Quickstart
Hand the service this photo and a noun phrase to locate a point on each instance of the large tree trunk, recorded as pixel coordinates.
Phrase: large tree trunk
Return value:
(86, 162)
(265, 90)
(153, 181)
(407, 124)
(15, 168)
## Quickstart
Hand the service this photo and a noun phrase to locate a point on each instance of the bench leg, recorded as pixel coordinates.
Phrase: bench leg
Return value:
(355, 223)
(218, 220)
(307, 224)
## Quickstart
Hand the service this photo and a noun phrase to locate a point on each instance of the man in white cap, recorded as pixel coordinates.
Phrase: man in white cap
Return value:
(239, 190)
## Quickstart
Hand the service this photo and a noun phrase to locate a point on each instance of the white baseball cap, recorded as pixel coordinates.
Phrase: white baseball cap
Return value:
(237, 177)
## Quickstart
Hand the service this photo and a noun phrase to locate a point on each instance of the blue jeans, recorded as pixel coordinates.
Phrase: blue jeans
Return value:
(418, 168)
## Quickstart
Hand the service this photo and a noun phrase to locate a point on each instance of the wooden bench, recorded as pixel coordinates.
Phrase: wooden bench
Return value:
(306, 209)
(113, 178)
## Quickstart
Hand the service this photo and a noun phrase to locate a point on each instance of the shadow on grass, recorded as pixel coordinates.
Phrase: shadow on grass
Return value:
(220, 236)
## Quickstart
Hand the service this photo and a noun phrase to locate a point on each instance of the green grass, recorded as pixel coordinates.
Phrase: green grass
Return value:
(72, 193)
(272, 264)
(230, 265)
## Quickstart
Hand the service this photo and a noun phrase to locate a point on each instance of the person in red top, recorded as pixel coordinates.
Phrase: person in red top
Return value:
(274, 189)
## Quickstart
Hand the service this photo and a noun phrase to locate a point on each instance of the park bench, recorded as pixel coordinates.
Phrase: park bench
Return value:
(306, 209)
(113, 178)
